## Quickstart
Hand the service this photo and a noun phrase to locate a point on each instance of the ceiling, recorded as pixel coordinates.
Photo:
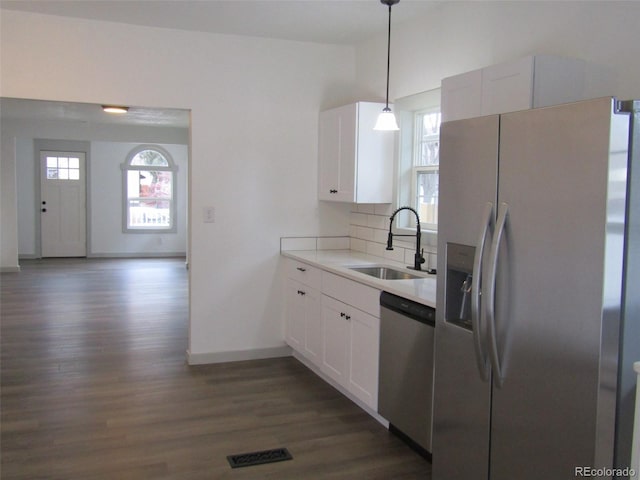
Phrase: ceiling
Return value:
(20, 109)
(343, 22)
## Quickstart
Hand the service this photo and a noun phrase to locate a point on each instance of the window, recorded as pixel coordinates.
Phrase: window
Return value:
(426, 161)
(419, 157)
(63, 168)
(149, 187)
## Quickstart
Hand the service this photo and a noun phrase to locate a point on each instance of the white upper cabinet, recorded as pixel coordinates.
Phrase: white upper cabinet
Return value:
(355, 161)
(530, 82)
(508, 87)
(461, 96)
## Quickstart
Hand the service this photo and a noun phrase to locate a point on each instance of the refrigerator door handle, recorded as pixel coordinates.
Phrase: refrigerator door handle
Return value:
(489, 302)
(481, 357)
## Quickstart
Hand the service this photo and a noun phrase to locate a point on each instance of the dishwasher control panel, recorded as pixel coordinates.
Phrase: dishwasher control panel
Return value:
(409, 308)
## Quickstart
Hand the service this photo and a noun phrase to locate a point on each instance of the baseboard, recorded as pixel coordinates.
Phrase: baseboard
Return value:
(120, 255)
(10, 269)
(238, 355)
(139, 255)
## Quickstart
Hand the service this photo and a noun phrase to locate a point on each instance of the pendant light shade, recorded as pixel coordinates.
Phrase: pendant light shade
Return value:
(387, 120)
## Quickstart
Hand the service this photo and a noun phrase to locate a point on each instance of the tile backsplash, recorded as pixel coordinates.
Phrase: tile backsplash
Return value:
(369, 227)
(314, 243)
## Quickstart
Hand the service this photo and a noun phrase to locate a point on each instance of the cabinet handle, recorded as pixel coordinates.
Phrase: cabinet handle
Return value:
(348, 317)
(342, 314)
(300, 292)
(301, 269)
(333, 191)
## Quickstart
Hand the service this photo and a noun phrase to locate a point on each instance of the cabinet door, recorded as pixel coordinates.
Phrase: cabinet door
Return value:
(461, 96)
(328, 154)
(295, 328)
(313, 326)
(363, 353)
(335, 340)
(507, 87)
(337, 154)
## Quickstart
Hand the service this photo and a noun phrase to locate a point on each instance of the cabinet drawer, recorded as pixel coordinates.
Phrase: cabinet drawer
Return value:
(361, 296)
(304, 273)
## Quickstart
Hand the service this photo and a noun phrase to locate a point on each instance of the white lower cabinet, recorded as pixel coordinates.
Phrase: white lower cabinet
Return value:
(364, 339)
(350, 349)
(351, 346)
(335, 339)
(313, 328)
(334, 323)
(364, 352)
(304, 327)
(303, 331)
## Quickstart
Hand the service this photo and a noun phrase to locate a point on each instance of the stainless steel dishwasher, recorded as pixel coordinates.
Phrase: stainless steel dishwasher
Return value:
(405, 395)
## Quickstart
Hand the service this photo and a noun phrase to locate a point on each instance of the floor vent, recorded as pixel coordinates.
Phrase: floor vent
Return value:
(258, 458)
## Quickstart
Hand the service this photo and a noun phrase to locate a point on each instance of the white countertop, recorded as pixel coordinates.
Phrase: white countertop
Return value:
(422, 290)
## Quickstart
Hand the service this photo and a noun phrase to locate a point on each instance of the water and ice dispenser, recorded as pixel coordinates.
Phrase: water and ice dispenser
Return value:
(459, 278)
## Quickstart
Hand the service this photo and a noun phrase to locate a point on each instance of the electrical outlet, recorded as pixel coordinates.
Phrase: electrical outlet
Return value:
(209, 215)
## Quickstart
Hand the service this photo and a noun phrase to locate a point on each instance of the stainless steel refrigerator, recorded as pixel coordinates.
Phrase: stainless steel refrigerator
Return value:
(538, 317)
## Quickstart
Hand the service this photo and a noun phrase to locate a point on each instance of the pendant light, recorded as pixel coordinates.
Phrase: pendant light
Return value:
(387, 120)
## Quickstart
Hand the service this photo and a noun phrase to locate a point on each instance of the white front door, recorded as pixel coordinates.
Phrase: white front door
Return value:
(63, 204)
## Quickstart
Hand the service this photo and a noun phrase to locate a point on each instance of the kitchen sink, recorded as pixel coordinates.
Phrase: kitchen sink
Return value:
(384, 273)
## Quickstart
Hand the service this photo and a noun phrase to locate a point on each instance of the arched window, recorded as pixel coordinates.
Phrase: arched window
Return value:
(149, 187)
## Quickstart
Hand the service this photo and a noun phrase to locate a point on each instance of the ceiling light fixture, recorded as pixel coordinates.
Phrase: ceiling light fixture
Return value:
(387, 120)
(114, 109)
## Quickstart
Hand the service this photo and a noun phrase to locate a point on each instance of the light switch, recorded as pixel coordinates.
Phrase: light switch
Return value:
(209, 214)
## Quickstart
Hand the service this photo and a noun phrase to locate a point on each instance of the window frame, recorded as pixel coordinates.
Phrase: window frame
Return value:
(407, 108)
(416, 169)
(128, 167)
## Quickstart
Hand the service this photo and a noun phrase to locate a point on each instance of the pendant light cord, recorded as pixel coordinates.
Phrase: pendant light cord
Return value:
(388, 55)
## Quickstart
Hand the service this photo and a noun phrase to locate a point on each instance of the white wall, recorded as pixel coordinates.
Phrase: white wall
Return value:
(107, 238)
(462, 36)
(104, 181)
(8, 207)
(254, 112)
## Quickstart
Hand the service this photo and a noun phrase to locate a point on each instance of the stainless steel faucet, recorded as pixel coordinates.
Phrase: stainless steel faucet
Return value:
(418, 257)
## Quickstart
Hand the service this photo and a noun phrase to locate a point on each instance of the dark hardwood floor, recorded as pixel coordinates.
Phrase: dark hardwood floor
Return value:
(94, 385)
